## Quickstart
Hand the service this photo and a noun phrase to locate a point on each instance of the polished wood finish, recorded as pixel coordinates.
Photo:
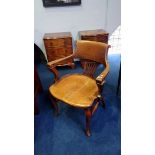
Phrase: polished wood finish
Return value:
(59, 45)
(82, 90)
(55, 72)
(93, 109)
(76, 90)
(99, 35)
(55, 104)
(88, 119)
(89, 67)
(52, 65)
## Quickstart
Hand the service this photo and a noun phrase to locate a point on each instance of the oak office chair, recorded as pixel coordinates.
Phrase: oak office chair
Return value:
(82, 90)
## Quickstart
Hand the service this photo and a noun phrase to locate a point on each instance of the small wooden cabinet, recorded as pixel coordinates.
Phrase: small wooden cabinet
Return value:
(59, 45)
(99, 35)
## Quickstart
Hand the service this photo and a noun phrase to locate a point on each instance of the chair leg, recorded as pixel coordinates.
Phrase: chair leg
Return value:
(88, 118)
(55, 105)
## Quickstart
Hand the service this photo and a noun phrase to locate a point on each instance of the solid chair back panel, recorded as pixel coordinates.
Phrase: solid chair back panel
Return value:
(91, 50)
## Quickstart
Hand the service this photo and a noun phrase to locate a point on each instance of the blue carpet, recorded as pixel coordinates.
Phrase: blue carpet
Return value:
(64, 134)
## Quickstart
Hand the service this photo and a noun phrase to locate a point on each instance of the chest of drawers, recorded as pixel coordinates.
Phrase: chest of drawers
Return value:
(99, 35)
(59, 45)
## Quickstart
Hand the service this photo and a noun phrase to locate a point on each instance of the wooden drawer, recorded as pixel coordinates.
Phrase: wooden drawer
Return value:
(103, 39)
(56, 51)
(91, 38)
(59, 45)
(99, 35)
(68, 41)
(51, 57)
(54, 42)
(68, 51)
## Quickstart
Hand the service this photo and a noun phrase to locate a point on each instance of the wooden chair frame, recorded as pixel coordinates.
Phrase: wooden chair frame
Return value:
(90, 51)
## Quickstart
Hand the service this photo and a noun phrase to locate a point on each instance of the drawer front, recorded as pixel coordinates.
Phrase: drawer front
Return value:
(59, 48)
(69, 51)
(50, 58)
(68, 41)
(54, 42)
(55, 51)
(53, 57)
(99, 38)
(102, 38)
(91, 38)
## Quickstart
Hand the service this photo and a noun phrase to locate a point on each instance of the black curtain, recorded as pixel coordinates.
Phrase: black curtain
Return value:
(39, 56)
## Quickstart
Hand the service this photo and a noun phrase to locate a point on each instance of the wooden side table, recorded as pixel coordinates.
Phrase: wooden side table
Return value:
(59, 45)
(99, 35)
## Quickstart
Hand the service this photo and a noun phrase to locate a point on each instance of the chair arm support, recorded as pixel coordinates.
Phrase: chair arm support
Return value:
(100, 79)
(52, 66)
(55, 62)
(55, 72)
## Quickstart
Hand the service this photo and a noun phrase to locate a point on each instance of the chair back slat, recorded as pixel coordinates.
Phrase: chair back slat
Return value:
(89, 67)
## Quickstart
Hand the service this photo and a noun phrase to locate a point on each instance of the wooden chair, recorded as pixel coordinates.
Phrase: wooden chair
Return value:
(82, 90)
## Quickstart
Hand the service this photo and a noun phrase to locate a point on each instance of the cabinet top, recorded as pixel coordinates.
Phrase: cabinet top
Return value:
(57, 35)
(93, 32)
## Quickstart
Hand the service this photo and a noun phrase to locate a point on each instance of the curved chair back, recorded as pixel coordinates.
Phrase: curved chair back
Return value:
(91, 54)
(92, 50)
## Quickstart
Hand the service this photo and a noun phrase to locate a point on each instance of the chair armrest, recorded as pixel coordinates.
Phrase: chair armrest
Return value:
(101, 78)
(55, 62)
(52, 66)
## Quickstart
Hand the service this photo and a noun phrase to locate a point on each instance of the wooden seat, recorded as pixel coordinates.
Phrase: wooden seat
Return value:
(82, 90)
(76, 90)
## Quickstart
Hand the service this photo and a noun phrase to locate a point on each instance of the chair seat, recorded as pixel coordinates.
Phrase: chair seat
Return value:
(77, 90)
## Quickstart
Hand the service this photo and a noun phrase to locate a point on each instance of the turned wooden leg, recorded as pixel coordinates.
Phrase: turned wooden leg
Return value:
(55, 105)
(88, 118)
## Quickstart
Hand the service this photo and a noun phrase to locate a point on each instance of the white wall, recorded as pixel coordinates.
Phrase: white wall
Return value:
(91, 14)
(113, 15)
